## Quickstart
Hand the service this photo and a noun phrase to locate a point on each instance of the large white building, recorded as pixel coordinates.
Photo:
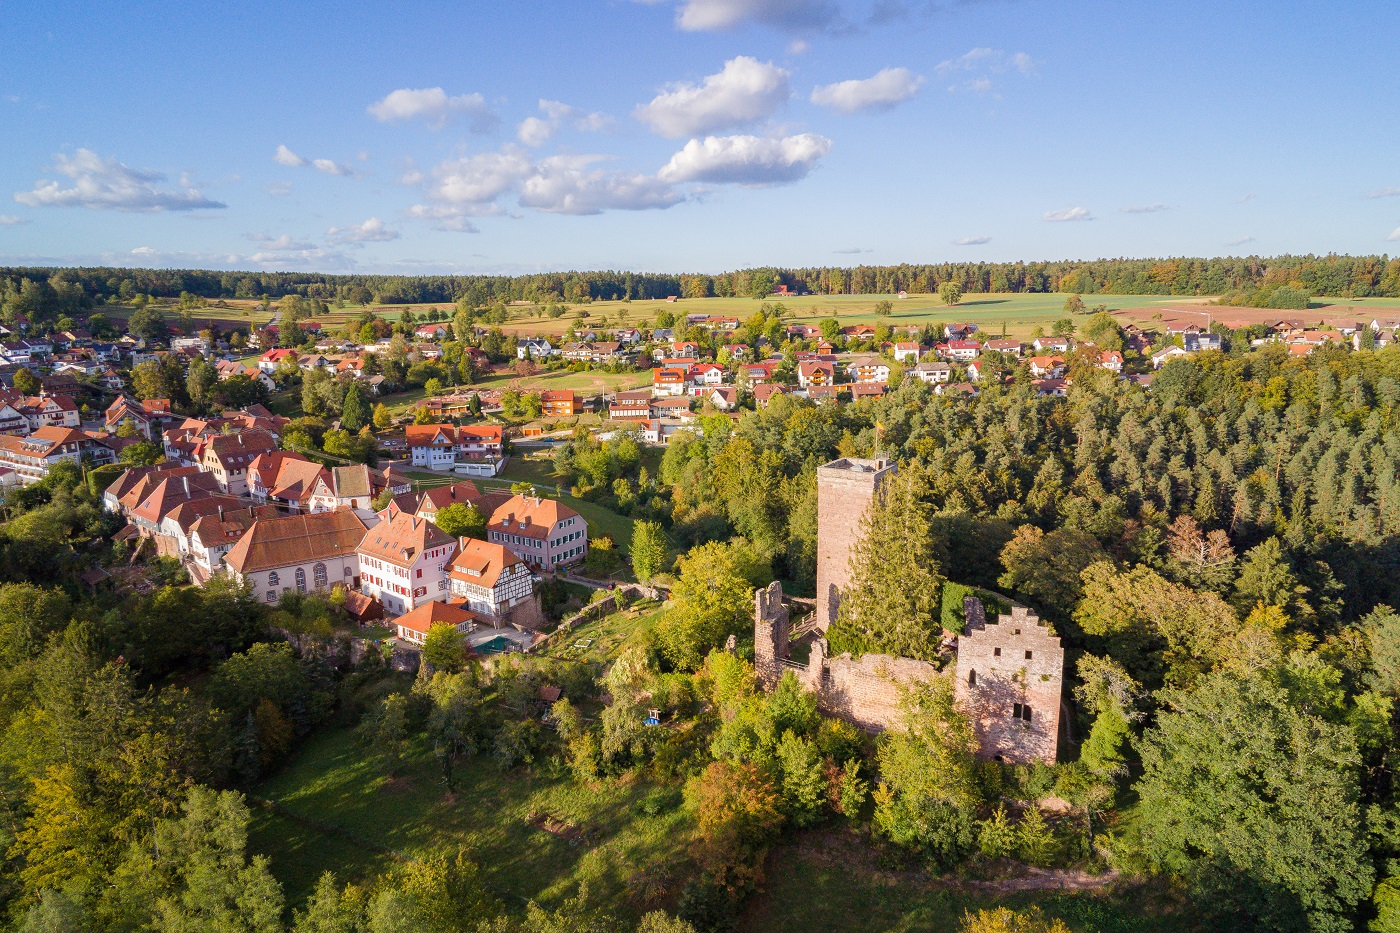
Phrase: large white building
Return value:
(488, 579)
(404, 561)
(298, 553)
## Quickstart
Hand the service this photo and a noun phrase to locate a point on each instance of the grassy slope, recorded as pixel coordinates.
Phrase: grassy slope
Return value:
(332, 782)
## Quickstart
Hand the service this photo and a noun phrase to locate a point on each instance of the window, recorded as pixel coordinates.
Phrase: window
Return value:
(420, 573)
(273, 579)
(996, 652)
(1028, 655)
(318, 573)
(1021, 711)
(972, 678)
(301, 580)
(271, 596)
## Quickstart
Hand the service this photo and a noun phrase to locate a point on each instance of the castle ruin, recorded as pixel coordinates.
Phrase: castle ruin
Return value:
(1009, 675)
(845, 490)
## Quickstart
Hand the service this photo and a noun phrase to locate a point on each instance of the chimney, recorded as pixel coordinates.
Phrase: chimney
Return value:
(221, 513)
(186, 481)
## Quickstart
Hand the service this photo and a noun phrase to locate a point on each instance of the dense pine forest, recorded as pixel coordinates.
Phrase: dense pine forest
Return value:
(1352, 276)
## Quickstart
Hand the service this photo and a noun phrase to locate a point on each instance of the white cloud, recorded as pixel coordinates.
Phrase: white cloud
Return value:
(281, 244)
(477, 181)
(1144, 209)
(1069, 214)
(285, 156)
(106, 184)
(1246, 197)
(786, 15)
(372, 230)
(972, 241)
(1384, 193)
(536, 131)
(746, 160)
(853, 250)
(278, 189)
(1394, 235)
(330, 167)
(1240, 241)
(881, 92)
(10, 220)
(433, 106)
(745, 91)
(980, 63)
(567, 185)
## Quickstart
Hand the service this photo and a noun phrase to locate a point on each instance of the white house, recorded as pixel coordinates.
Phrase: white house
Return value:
(403, 562)
(301, 553)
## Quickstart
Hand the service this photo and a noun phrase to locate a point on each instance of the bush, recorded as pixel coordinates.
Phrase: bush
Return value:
(708, 906)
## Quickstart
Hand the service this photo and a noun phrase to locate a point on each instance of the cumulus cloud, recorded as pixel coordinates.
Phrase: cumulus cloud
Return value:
(971, 71)
(281, 244)
(285, 156)
(1240, 241)
(569, 185)
(1069, 214)
(1394, 235)
(536, 131)
(371, 231)
(745, 91)
(1143, 209)
(1384, 193)
(106, 184)
(746, 160)
(972, 241)
(434, 107)
(881, 92)
(10, 220)
(786, 15)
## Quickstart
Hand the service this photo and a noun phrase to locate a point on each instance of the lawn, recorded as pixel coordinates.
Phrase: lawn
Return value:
(608, 635)
(536, 836)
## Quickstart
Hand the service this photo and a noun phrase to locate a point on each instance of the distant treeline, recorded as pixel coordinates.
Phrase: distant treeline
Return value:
(1351, 276)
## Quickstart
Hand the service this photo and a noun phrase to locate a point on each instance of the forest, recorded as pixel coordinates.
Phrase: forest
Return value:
(53, 290)
(1218, 552)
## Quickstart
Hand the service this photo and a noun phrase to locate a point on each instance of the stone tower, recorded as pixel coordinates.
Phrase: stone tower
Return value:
(770, 633)
(1009, 675)
(845, 489)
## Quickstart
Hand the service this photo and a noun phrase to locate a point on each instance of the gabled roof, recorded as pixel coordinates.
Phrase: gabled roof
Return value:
(440, 497)
(296, 539)
(236, 451)
(215, 529)
(170, 491)
(400, 540)
(530, 516)
(435, 613)
(481, 563)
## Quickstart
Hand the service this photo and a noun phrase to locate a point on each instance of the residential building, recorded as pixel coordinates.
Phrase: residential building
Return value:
(868, 369)
(1003, 345)
(725, 398)
(465, 492)
(1051, 344)
(704, 375)
(211, 537)
(932, 373)
(763, 393)
(546, 534)
(270, 360)
(559, 403)
(1111, 360)
(862, 390)
(536, 348)
(488, 579)
(906, 352)
(1046, 366)
(961, 350)
(674, 407)
(305, 553)
(286, 479)
(634, 405)
(815, 373)
(1202, 340)
(1167, 353)
(667, 381)
(347, 487)
(128, 490)
(413, 626)
(430, 331)
(228, 457)
(230, 368)
(31, 457)
(442, 446)
(147, 417)
(403, 562)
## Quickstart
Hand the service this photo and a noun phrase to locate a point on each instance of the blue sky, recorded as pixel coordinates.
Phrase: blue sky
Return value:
(693, 135)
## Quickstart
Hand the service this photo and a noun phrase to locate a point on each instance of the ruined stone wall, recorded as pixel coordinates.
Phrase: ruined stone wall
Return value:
(865, 693)
(845, 489)
(526, 615)
(1009, 676)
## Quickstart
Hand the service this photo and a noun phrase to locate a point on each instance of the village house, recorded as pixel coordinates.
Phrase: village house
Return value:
(301, 553)
(559, 403)
(147, 417)
(488, 579)
(544, 533)
(868, 369)
(724, 398)
(128, 490)
(211, 537)
(49, 411)
(1046, 366)
(703, 375)
(1003, 345)
(960, 350)
(346, 487)
(430, 331)
(431, 501)
(1167, 353)
(825, 394)
(413, 626)
(534, 348)
(31, 457)
(906, 352)
(284, 478)
(403, 562)
(862, 390)
(172, 534)
(442, 447)
(163, 494)
(763, 393)
(627, 406)
(229, 368)
(270, 360)
(1111, 360)
(932, 373)
(1051, 344)
(758, 373)
(959, 331)
(667, 381)
(815, 373)
(228, 457)
(673, 407)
